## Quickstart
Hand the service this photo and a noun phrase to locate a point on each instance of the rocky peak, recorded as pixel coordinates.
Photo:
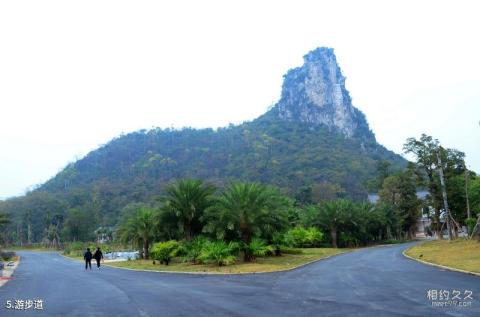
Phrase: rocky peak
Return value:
(315, 93)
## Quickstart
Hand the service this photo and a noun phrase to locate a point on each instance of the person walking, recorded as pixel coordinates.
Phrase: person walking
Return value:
(98, 255)
(87, 256)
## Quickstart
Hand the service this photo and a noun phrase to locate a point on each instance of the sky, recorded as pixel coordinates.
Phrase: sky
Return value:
(75, 74)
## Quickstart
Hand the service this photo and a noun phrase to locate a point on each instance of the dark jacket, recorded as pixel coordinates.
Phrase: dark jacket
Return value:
(88, 256)
(98, 255)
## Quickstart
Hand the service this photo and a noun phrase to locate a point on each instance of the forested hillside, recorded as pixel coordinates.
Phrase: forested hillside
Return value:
(313, 136)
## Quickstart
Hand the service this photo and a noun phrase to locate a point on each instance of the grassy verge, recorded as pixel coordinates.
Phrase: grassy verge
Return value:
(458, 254)
(266, 264)
(75, 257)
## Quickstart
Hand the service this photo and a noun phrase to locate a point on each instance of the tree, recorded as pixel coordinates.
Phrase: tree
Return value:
(4, 221)
(332, 215)
(425, 151)
(303, 196)
(474, 193)
(399, 191)
(185, 202)
(384, 221)
(455, 174)
(325, 191)
(245, 211)
(140, 228)
(78, 225)
(383, 171)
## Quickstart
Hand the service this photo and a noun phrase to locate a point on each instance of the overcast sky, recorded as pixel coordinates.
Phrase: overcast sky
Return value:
(74, 74)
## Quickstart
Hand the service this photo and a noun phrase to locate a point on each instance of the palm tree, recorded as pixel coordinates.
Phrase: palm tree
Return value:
(141, 229)
(185, 203)
(248, 210)
(332, 215)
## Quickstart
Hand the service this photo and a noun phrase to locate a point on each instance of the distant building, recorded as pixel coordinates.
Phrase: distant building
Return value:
(423, 222)
(374, 197)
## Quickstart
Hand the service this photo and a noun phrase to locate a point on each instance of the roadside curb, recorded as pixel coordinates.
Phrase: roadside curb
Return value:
(8, 277)
(240, 273)
(438, 265)
(216, 273)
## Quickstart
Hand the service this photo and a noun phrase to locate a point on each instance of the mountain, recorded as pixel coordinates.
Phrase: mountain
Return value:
(312, 135)
(315, 94)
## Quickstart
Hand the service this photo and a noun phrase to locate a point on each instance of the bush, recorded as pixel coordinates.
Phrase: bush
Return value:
(470, 223)
(164, 251)
(6, 255)
(193, 249)
(300, 237)
(74, 248)
(278, 240)
(348, 240)
(257, 247)
(219, 253)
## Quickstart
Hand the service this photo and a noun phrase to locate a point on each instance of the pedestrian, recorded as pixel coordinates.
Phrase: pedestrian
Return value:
(98, 255)
(88, 259)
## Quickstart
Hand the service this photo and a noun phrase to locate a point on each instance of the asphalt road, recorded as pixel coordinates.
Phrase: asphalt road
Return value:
(371, 282)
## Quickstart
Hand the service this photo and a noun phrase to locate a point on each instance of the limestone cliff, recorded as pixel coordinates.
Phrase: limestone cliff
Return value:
(315, 93)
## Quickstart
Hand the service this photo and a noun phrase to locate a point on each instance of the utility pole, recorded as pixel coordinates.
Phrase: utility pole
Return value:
(469, 215)
(444, 193)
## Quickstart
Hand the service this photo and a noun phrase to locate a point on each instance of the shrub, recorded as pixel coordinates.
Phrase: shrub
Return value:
(218, 252)
(278, 241)
(301, 237)
(193, 249)
(6, 255)
(314, 236)
(164, 251)
(74, 248)
(348, 240)
(470, 222)
(273, 250)
(257, 247)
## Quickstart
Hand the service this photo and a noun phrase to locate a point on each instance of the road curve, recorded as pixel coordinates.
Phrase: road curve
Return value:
(370, 282)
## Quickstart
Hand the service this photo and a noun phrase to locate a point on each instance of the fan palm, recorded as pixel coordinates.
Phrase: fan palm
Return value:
(248, 210)
(141, 229)
(332, 215)
(186, 202)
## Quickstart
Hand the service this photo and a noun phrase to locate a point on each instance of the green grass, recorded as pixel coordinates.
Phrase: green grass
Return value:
(460, 254)
(265, 264)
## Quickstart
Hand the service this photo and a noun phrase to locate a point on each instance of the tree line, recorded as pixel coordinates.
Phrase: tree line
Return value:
(252, 214)
(460, 191)
(244, 211)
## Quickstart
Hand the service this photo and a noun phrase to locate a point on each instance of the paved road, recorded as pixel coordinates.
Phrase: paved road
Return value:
(371, 282)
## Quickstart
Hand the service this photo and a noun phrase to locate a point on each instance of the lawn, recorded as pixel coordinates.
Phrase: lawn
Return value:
(460, 254)
(265, 264)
